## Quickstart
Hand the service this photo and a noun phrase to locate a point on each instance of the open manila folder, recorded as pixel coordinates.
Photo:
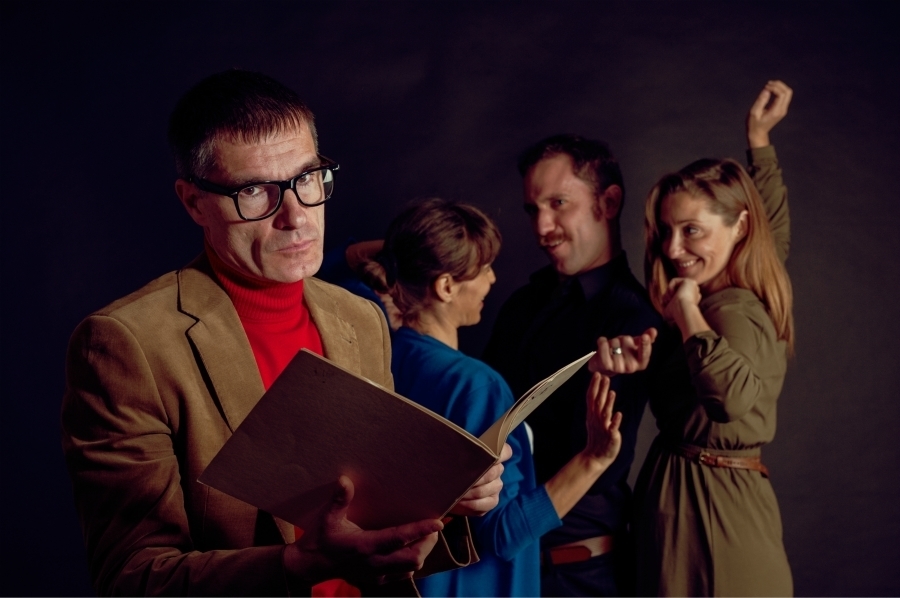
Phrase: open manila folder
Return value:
(318, 421)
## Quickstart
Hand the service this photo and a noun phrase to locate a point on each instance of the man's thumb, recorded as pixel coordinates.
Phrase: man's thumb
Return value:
(343, 494)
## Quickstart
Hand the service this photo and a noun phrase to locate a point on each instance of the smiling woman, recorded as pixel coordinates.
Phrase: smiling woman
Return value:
(707, 522)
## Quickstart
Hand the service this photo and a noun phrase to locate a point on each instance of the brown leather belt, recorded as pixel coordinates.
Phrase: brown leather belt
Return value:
(575, 552)
(720, 458)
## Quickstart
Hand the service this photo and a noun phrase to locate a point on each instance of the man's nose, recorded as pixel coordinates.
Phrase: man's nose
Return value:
(544, 223)
(291, 214)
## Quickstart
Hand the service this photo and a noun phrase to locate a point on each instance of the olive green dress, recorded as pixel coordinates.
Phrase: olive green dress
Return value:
(716, 531)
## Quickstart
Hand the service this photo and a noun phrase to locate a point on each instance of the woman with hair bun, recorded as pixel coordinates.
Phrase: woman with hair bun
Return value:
(436, 264)
(707, 521)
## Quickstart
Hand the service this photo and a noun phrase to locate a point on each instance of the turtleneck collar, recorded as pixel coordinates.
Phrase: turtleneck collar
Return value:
(256, 300)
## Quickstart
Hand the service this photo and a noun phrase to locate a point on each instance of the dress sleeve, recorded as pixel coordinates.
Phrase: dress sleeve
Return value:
(731, 364)
(769, 182)
(118, 441)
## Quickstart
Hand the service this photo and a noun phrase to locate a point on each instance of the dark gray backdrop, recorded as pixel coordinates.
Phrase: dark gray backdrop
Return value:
(418, 99)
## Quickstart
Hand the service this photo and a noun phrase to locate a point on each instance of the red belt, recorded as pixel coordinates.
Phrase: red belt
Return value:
(575, 552)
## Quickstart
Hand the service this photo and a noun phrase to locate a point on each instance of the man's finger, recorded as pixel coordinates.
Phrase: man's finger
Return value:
(646, 348)
(408, 558)
(628, 343)
(392, 539)
(341, 498)
(602, 360)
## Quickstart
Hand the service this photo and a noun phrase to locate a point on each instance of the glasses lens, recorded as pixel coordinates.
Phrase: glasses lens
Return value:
(315, 187)
(327, 183)
(257, 201)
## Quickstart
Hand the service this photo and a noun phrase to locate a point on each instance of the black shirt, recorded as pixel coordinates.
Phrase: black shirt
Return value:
(542, 327)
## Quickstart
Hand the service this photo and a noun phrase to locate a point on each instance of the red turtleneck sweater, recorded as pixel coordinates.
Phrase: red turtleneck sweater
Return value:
(273, 315)
(278, 325)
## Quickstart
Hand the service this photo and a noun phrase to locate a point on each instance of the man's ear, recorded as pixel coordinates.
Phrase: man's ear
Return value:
(444, 288)
(188, 194)
(611, 202)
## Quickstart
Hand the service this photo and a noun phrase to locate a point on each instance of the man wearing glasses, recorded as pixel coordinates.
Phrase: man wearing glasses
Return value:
(158, 381)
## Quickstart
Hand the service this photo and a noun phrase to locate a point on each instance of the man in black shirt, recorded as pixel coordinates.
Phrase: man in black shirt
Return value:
(573, 194)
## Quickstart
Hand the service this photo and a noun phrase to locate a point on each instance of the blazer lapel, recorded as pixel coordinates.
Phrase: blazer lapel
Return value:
(338, 335)
(222, 347)
(223, 351)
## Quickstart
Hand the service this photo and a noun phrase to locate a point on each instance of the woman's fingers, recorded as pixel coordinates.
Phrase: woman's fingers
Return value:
(770, 107)
(762, 100)
(608, 408)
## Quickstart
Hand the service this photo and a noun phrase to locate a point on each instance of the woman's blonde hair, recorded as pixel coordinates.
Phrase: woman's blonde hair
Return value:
(427, 239)
(754, 264)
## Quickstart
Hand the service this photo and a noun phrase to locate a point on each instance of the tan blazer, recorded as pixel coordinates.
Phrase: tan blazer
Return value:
(156, 383)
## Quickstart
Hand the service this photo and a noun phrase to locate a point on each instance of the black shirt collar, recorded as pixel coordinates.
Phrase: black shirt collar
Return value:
(593, 282)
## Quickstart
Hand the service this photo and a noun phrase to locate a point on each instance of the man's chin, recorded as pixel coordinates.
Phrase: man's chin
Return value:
(290, 271)
(287, 275)
(561, 266)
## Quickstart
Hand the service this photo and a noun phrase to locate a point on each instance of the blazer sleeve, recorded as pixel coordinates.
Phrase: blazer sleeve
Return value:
(119, 445)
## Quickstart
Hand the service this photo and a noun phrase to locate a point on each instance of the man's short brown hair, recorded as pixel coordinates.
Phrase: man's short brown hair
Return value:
(237, 105)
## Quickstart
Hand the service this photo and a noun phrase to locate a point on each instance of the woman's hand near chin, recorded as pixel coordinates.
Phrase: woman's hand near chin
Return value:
(681, 305)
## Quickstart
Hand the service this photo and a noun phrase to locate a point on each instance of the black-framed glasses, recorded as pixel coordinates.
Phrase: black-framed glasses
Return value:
(260, 200)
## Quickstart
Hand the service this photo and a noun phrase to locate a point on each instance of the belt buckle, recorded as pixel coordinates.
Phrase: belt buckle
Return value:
(708, 459)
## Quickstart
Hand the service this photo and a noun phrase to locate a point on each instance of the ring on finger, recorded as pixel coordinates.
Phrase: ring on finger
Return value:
(615, 351)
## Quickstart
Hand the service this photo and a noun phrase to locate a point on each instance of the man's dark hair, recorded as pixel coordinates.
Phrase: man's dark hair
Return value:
(237, 105)
(592, 160)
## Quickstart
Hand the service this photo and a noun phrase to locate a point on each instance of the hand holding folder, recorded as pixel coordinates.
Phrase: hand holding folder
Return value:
(318, 422)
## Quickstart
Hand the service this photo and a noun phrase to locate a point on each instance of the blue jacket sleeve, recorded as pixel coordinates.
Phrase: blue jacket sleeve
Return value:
(525, 512)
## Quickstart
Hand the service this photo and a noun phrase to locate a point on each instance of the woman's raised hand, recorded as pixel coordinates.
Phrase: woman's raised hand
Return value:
(603, 437)
(769, 108)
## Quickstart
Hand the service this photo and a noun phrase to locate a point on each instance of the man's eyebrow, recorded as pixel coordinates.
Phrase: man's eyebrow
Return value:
(309, 165)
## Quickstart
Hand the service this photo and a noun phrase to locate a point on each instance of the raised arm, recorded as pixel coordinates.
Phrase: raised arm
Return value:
(767, 111)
